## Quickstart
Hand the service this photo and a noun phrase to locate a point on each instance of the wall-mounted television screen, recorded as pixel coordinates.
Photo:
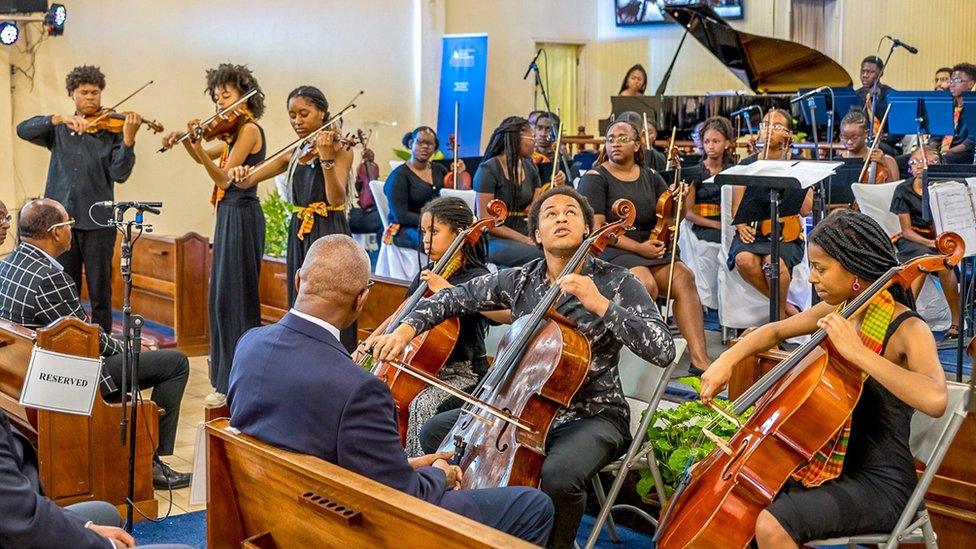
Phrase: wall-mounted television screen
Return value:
(648, 12)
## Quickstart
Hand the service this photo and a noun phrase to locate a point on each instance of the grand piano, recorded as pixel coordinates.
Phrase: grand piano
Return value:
(771, 68)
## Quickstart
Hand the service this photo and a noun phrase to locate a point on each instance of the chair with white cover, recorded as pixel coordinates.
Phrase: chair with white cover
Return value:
(643, 387)
(394, 261)
(701, 257)
(740, 305)
(464, 194)
(875, 202)
(930, 440)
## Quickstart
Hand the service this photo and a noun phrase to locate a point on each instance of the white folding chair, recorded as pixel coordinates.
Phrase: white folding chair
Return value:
(740, 305)
(643, 387)
(466, 195)
(874, 201)
(701, 257)
(930, 440)
(394, 261)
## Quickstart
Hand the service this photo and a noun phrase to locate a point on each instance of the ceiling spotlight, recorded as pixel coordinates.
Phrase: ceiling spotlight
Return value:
(9, 33)
(54, 19)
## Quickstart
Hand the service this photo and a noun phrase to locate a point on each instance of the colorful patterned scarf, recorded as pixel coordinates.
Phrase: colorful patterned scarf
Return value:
(828, 462)
(218, 194)
(307, 215)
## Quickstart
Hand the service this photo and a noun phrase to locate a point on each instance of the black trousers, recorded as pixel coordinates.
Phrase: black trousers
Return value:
(93, 249)
(575, 452)
(166, 372)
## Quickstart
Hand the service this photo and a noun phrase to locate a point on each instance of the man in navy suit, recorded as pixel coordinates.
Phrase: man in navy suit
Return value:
(293, 385)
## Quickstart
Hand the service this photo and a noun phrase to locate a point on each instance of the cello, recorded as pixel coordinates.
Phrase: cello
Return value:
(541, 364)
(429, 351)
(801, 404)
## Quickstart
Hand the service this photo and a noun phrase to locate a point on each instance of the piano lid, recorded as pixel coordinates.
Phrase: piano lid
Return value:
(766, 65)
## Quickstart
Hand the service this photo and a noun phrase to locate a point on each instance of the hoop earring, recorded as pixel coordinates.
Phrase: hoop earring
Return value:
(856, 286)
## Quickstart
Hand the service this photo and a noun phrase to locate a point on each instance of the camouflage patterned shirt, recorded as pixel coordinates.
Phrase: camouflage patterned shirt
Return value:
(632, 319)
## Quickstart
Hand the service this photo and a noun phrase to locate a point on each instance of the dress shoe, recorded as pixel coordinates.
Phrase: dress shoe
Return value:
(164, 477)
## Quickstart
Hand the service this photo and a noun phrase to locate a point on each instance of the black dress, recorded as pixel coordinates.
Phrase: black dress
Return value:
(602, 189)
(407, 194)
(518, 197)
(877, 478)
(308, 187)
(906, 201)
(238, 246)
(706, 193)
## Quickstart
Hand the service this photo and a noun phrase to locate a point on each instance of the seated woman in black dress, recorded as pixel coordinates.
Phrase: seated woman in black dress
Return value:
(704, 200)
(750, 249)
(918, 235)
(848, 251)
(507, 173)
(622, 175)
(412, 185)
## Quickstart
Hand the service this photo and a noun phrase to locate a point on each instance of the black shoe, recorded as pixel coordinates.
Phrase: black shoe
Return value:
(164, 477)
(695, 370)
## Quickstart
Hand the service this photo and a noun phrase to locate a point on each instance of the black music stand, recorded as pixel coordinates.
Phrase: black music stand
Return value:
(839, 185)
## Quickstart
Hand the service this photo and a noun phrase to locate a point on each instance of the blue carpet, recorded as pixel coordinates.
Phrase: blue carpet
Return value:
(190, 529)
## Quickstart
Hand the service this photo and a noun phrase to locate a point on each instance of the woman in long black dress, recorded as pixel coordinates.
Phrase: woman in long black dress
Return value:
(411, 185)
(750, 249)
(316, 187)
(509, 152)
(918, 234)
(623, 175)
(848, 251)
(238, 242)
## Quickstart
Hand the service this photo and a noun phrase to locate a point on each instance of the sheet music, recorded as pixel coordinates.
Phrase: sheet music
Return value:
(954, 209)
(806, 172)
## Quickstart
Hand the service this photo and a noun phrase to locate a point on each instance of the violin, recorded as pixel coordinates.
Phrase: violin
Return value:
(875, 172)
(668, 203)
(307, 152)
(790, 228)
(456, 179)
(107, 120)
(368, 170)
(429, 351)
(800, 405)
(224, 124)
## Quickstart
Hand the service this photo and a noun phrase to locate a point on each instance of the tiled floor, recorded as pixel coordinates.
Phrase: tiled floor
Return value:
(191, 414)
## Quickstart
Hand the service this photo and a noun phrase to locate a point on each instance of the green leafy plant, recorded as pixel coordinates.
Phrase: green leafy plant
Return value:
(404, 154)
(277, 216)
(678, 441)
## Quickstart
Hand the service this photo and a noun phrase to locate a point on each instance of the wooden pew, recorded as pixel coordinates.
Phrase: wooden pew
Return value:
(80, 458)
(170, 281)
(262, 497)
(951, 498)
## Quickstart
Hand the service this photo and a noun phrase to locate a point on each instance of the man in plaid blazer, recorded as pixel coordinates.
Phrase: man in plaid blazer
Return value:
(35, 291)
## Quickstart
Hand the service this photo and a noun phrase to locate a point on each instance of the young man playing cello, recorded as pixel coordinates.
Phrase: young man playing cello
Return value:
(608, 306)
(848, 251)
(84, 167)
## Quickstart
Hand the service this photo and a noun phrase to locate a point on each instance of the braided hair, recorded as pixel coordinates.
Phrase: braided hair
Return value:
(314, 96)
(506, 139)
(855, 116)
(241, 77)
(862, 247)
(455, 213)
(721, 125)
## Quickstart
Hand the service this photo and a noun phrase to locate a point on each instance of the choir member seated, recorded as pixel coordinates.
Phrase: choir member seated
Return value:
(958, 148)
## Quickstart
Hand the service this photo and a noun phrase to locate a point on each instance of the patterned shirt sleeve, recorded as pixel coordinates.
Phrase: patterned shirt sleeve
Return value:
(638, 324)
(489, 292)
(56, 298)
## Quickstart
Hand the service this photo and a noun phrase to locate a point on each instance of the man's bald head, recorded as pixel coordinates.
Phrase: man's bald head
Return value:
(335, 269)
(39, 215)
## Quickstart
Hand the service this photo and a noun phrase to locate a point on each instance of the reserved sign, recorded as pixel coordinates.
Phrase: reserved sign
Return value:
(61, 383)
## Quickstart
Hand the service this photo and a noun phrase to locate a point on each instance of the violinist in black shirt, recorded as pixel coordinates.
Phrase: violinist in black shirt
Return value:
(84, 167)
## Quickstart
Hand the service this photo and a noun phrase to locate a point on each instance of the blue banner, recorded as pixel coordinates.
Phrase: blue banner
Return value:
(463, 69)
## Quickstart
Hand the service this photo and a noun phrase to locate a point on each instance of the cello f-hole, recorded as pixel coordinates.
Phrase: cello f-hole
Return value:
(740, 453)
(498, 440)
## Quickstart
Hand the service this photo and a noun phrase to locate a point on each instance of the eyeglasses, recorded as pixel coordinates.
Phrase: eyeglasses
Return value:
(920, 162)
(958, 80)
(777, 127)
(69, 223)
(624, 139)
(6, 218)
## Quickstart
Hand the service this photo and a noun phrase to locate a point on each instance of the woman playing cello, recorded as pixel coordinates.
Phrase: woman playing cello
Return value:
(893, 346)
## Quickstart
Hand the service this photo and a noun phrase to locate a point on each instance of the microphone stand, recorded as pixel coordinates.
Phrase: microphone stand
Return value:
(131, 343)
(557, 157)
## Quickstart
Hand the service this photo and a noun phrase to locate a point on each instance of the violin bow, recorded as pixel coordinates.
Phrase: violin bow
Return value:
(218, 114)
(874, 145)
(454, 164)
(555, 155)
(113, 107)
(680, 189)
(308, 138)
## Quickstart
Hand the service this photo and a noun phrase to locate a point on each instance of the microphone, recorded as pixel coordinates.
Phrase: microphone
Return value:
(898, 43)
(532, 64)
(150, 207)
(809, 94)
(743, 111)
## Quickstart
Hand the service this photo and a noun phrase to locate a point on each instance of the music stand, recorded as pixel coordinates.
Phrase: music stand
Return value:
(839, 185)
(787, 182)
(844, 99)
(921, 113)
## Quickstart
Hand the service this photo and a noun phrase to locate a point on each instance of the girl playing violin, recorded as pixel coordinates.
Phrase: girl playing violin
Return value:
(84, 167)
(750, 249)
(238, 242)
(623, 175)
(316, 186)
(918, 234)
(441, 221)
(854, 137)
(848, 251)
